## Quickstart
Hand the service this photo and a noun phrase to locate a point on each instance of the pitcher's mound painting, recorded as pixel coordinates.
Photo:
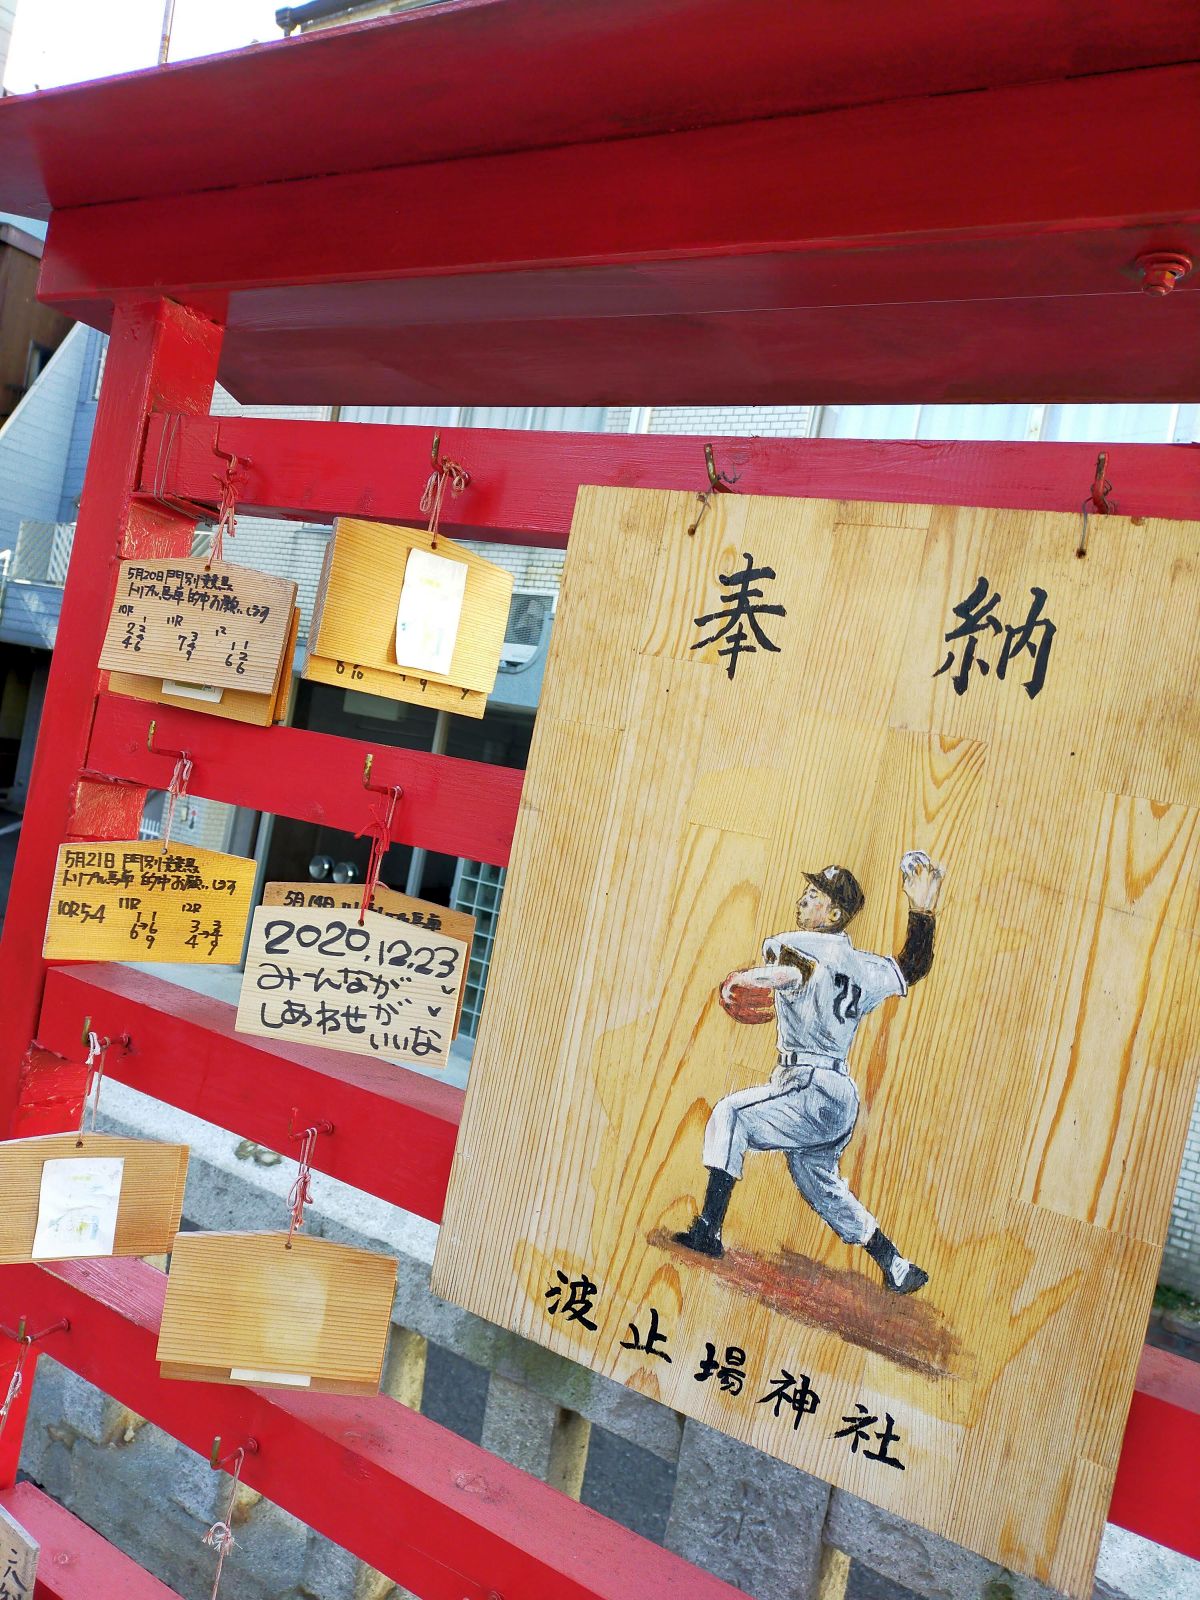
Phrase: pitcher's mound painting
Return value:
(841, 1032)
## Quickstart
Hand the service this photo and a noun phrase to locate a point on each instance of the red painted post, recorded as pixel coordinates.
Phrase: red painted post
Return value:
(161, 357)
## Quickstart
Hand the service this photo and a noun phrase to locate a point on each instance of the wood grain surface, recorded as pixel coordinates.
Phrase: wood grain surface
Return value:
(250, 1302)
(140, 900)
(355, 617)
(396, 685)
(389, 902)
(368, 984)
(151, 1189)
(1023, 1109)
(238, 705)
(184, 619)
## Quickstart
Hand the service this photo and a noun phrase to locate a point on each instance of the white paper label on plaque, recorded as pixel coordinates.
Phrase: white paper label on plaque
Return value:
(77, 1207)
(294, 1380)
(193, 691)
(427, 617)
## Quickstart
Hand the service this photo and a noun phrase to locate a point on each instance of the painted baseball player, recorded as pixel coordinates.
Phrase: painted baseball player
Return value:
(820, 988)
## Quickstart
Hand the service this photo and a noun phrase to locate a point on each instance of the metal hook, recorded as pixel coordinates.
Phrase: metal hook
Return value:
(375, 788)
(303, 1133)
(227, 455)
(1097, 501)
(23, 1336)
(720, 482)
(123, 1039)
(217, 1461)
(177, 755)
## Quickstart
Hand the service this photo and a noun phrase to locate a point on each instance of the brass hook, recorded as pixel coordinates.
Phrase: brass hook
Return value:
(22, 1336)
(178, 755)
(1097, 501)
(719, 482)
(217, 1461)
(375, 788)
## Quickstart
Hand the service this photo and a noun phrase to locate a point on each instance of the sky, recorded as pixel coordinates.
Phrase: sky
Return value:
(66, 41)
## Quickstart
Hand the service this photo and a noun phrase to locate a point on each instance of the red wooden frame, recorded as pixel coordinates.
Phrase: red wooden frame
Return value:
(473, 1525)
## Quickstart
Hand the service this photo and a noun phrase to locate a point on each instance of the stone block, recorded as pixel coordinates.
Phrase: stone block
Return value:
(1131, 1568)
(518, 1425)
(746, 1517)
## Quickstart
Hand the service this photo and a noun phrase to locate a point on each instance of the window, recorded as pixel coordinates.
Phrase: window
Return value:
(35, 361)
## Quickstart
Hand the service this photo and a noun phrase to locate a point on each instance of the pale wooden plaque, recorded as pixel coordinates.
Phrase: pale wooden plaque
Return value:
(312, 1316)
(133, 900)
(151, 1191)
(396, 686)
(220, 625)
(236, 705)
(423, 914)
(19, 1552)
(374, 988)
(806, 687)
(354, 620)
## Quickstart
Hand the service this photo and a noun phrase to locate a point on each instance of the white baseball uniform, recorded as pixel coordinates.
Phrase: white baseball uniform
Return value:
(809, 1108)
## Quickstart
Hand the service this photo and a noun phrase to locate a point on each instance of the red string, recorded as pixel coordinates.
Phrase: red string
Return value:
(176, 791)
(301, 1193)
(446, 473)
(380, 830)
(226, 513)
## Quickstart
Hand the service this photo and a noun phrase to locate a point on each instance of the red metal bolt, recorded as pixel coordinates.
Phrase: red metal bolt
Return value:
(1162, 270)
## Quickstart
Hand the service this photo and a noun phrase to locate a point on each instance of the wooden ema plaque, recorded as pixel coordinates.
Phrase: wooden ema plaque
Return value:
(845, 1008)
(246, 1308)
(396, 686)
(422, 914)
(133, 900)
(236, 705)
(373, 988)
(19, 1552)
(359, 601)
(150, 1196)
(221, 625)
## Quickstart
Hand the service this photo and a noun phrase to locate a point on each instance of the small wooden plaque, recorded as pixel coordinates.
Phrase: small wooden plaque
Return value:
(355, 618)
(423, 914)
(312, 1316)
(131, 900)
(221, 625)
(19, 1552)
(322, 977)
(396, 685)
(151, 1190)
(235, 705)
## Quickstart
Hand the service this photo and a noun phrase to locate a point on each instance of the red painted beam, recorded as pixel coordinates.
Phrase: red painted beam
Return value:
(455, 807)
(431, 1511)
(394, 1130)
(873, 175)
(1157, 1490)
(523, 485)
(160, 357)
(75, 1562)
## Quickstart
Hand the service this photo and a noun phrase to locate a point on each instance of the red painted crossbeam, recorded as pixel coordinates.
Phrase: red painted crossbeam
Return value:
(1157, 1492)
(394, 1130)
(454, 807)
(433, 1512)
(75, 1562)
(523, 485)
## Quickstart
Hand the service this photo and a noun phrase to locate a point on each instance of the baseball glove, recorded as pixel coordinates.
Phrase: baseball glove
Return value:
(746, 1002)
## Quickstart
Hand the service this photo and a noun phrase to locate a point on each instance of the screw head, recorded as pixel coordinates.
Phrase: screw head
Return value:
(1162, 269)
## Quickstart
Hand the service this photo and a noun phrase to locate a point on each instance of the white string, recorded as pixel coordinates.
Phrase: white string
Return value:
(97, 1049)
(220, 1536)
(15, 1384)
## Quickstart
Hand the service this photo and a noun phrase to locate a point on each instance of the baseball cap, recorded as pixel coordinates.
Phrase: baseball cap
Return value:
(840, 884)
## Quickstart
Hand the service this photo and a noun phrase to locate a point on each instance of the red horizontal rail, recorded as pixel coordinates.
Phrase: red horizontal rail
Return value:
(523, 485)
(75, 1562)
(457, 808)
(394, 1130)
(425, 1507)
(1157, 1491)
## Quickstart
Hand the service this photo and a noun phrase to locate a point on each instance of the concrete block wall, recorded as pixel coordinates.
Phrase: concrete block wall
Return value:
(1181, 1258)
(772, 1531)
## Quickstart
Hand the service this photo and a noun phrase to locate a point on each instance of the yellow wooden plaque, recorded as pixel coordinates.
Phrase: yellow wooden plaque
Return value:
(222, 625)
(236, 705)
(845, 1007)
(425, 915)
(248, 1308)
(148, 1197)
(133, 900)
(355, 619)
(396, 686)
(374, 987)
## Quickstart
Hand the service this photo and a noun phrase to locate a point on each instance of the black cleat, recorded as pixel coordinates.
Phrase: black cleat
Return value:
(701, 1238)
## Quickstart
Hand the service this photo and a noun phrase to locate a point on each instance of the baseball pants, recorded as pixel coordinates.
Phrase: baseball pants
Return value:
(810, 1117)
